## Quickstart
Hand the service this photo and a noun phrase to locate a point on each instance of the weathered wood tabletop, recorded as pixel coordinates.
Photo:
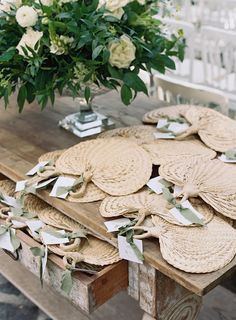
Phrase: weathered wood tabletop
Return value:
(24, 137)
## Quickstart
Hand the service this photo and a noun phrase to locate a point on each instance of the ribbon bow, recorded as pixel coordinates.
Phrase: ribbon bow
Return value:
(186, 212)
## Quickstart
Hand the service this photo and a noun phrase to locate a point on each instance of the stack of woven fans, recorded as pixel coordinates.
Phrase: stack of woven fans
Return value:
(190, 150)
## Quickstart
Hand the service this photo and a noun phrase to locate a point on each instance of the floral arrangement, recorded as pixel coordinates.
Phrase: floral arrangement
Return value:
(51, 45)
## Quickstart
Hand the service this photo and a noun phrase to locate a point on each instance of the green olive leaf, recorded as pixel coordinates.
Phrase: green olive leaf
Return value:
(66, 281)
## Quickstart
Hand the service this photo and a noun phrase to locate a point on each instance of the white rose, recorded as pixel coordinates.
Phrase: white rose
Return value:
(115, 7)
(15, 3)
(47, 3)
(26, 16)
(122, 52)
(29, 39)
(7, 5)
(117, 13)
(61, 2)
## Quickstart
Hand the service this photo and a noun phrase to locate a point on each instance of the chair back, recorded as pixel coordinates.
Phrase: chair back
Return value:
(218, 53)
(218, 13)
(179, 92)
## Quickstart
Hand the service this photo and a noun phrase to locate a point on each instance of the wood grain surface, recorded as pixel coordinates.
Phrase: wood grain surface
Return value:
(24, 137)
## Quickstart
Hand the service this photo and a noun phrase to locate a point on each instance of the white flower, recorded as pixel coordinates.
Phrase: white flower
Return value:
(7, 5)
(142, 2)
(122, 52)
(114, 7)
(61, 2)
(26, 16)
(29, 39)
(117, 13)
(59, 45)
(45, 20)
(47, 3)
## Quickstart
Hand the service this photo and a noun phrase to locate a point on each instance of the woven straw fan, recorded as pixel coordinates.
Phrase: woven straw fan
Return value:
(162, 151)
(195, 250)
(212, 180)
(7, 187)
(132, 206)
(140, 134)
(30, 202)
(91, 250)
(51, 156)
(31, 205)
(111, 164)
(91, 194)
(216, 130)
(55, 218)
(171, 112)
(144, 203)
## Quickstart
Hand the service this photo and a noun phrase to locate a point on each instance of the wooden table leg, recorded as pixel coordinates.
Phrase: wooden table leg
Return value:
(161, 297)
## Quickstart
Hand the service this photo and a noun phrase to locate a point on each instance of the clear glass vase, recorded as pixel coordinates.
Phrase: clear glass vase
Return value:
(86, 113)
(86, 122)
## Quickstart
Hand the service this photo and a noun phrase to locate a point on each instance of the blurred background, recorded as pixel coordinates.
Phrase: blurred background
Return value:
(208, 72)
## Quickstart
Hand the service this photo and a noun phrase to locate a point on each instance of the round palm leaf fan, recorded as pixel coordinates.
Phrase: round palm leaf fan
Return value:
(212, 180)
(166, 112)
(162, 151)
(145, 203)
(92, 192)
(91, 250)
(141, 134)
(216, 130)
(51, 156)
(7, 187)
(111, 164)
(195, 250)
(55, 218)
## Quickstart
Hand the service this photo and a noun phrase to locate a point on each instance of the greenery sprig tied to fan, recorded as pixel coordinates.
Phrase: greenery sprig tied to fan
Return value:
(51, 45)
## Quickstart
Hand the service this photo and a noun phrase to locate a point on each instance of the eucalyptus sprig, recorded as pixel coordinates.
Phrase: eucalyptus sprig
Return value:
(42, 254)
(66, 280)
(15, 242)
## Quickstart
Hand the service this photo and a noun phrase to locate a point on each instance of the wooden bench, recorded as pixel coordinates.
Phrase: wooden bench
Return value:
(163, 292)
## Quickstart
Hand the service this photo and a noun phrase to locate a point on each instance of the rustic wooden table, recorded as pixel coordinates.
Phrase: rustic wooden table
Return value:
(163, 292)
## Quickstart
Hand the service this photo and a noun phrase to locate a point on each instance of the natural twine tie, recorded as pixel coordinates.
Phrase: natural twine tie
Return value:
(155, 231)
(142, 214)
(72, 246)
(189, 132)
(47, 173)
(87, 177)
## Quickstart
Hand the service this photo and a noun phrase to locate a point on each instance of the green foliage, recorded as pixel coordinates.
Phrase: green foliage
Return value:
(66, 281)
(73, 50)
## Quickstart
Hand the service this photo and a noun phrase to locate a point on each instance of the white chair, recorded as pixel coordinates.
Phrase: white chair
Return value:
(179, 92)
(188, 69)
(218, 13)
(185, 69)
(219, 59)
